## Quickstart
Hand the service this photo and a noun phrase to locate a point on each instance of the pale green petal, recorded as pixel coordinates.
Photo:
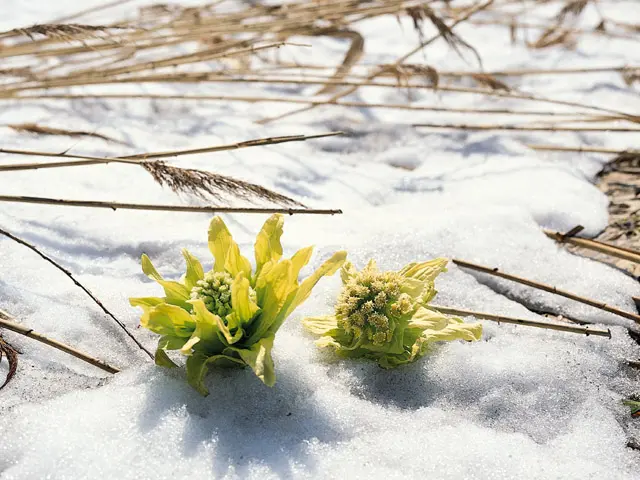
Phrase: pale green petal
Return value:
(258, 357)
(425, 271)
(327, 341)
(236, 263)
(371, 265)
(300, 259)
(220, 241)
(244, 308)
(268, 246)
(198, 366)
(320, 325)
(426, 318)
(279, 283)
(326, 269)
(347, 271)
(413, 287)
(176, 293)
(194, 269)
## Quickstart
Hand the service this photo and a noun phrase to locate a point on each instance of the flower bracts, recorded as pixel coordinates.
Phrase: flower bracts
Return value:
(229, 315)
(385, 315)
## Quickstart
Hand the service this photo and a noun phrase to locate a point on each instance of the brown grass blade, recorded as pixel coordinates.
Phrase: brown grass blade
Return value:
(419, 13)
(44, 130)
(554, 36)
(356, 49)
(64, 31)
(199, 182)
(12, 358)
(490, 81)
(571, 10)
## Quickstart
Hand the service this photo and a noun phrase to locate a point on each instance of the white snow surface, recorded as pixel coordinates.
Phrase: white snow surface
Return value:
(521, 403)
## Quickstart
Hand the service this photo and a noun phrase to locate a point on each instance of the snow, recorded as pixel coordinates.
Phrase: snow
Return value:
(521, 403)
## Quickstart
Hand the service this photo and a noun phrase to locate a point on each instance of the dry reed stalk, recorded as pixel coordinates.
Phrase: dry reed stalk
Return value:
(342, 103)
(595, 245)
(414, 70)
(164, 208)
(216, 78)
(136, 159)
(543, 26)
(399, 61)
(558, 148)
(547, 288)
(79, 285)
(524, 322)
(524, 128)
(9, 322)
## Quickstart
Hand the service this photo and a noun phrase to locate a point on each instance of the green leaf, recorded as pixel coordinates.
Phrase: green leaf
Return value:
(176, 293)
(167, 342)
(327, 268)
(167, 319)
(194, 269)
(258, 357)
(268, 246)
(145, 302)
(198, 365)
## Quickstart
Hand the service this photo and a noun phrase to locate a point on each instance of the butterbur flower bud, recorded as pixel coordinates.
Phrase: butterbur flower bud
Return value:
(365, 304)
(385, 315)
(230, 315)
(215, 291)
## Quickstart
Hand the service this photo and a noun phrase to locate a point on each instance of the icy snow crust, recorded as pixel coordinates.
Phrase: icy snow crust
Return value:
(521, 403)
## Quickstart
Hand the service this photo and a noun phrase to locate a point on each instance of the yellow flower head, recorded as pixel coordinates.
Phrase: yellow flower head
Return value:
(385, 315)
(230, 315)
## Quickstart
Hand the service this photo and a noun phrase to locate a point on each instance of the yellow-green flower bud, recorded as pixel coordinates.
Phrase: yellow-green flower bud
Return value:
(367, 302)
(215, 291)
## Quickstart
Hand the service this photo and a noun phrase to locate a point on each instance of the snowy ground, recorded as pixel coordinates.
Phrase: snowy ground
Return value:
(521, 403)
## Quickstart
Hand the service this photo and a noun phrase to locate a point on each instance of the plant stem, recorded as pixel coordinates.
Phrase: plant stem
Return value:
(165, 208)
(78, 284)
(8, 322)
(547, 288)
(524, 322)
